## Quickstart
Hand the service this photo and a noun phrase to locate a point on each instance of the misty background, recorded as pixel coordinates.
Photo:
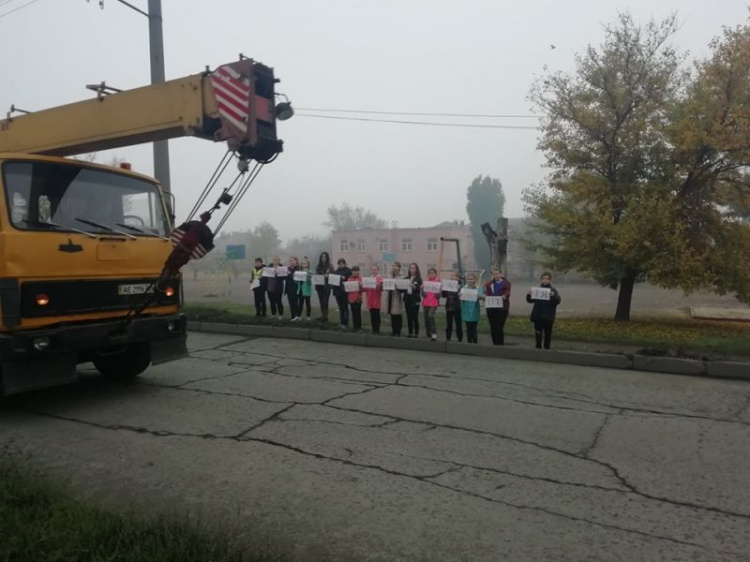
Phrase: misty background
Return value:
(479, 57)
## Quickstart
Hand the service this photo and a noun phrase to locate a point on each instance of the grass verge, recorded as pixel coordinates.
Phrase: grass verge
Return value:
(39, 521)
(668, 336)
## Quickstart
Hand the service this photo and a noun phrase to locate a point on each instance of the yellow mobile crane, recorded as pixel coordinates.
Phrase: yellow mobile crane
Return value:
(82, 245)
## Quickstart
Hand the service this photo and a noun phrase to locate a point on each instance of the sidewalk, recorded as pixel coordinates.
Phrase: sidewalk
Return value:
(515, 348)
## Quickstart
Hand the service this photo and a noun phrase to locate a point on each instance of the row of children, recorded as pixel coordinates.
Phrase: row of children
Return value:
(406, 295)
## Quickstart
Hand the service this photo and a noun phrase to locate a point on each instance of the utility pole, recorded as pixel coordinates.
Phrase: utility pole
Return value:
(156, 47)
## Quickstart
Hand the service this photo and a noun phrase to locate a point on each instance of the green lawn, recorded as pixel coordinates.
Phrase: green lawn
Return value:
(658, 335)
(40, 522)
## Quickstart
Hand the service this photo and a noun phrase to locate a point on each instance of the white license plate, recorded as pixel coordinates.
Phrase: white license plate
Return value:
(135, 289)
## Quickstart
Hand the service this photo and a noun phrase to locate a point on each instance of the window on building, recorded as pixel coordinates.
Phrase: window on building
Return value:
(382, 245)
(361, 245)
(406, 245)
(432, 244)
(344, 246)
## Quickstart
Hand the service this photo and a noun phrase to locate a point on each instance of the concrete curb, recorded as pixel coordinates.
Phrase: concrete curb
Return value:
(668, 365)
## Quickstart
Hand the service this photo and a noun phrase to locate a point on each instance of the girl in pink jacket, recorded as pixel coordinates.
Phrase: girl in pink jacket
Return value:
(373, 298)
(430, 303)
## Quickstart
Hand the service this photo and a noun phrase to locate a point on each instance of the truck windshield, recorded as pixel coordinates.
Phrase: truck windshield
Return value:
(42, 193)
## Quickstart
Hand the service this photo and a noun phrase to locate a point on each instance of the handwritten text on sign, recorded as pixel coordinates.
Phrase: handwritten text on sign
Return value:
(493, 302)
(541, 293)
(431, 286)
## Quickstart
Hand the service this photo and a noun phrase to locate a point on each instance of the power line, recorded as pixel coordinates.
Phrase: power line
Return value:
(424, 114)
(428, 123)
(22, 6)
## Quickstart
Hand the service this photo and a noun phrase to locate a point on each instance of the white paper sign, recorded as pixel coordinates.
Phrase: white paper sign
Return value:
(541, 293)
(282, 271)
(369, 282)
(269, 272)
(450, 285)
(255, 284)
(493, 302)
(319, 279)
(351, 286)
(389, 284)
(334, 279)
(300, 275)
(467, 294)
(403, 284)
(431, 286)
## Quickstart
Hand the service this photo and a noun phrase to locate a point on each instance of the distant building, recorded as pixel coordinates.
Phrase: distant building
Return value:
(406, 245)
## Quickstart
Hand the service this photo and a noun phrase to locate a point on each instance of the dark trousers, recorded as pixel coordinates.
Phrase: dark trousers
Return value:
(397, 322)
(453, 317)
(343, 303)
(324, 294)
(260, 301)
(497, 318)
(429, 321)
(471, 332)
(543, 328)
(412, 318)
(304, 302)
(356, 315)
(277, 307)
(295, 306)
(375, 320)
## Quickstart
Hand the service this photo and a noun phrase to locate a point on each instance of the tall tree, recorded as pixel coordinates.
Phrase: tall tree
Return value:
(263, 241)
(346, 217)
(646, 163)
(485, 202)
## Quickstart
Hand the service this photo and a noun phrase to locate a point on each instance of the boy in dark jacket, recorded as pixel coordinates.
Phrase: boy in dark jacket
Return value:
(543, 313)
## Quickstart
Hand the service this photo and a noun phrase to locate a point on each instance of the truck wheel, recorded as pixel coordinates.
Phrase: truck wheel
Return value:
(125, 364)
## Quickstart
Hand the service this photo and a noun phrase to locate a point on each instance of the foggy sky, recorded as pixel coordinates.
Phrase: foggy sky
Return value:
(475, 56)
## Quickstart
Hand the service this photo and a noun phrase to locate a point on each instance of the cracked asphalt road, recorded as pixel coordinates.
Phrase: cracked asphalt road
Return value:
(342, 453)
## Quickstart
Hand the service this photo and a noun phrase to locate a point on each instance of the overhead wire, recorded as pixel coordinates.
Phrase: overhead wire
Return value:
(21, 7)
(423, 123)
(421, 113)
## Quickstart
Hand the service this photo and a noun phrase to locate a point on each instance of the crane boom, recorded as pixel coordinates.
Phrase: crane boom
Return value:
(233, 104)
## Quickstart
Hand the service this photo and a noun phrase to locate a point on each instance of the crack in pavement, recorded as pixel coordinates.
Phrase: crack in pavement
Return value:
(613, 469)
(586, 451)
(272, 417)
(426, 479)
(546, 392)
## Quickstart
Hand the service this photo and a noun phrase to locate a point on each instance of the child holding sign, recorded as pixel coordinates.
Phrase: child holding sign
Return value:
(373, 296)
(412, 299)
(545, 300)
(470, 295)
(453, 307)
(430, 303)
(275, 288)
(292, 289)
(355, 297)
(323, 268)
(339, 292)
(305, 286)
(497, 312)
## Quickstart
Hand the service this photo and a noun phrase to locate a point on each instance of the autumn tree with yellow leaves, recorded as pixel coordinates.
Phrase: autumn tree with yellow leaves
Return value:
(649, 160)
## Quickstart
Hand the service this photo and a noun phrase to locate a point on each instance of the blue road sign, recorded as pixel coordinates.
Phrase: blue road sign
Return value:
(236, 252)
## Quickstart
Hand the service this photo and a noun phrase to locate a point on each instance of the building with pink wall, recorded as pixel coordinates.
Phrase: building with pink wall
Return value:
(406, 245)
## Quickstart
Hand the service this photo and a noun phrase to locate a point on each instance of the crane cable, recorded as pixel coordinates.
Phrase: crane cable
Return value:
(241, 191)
(218, 172)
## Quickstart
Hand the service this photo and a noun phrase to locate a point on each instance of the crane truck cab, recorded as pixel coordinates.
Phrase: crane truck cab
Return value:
(82, 244)
(79, 243)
